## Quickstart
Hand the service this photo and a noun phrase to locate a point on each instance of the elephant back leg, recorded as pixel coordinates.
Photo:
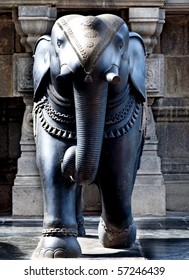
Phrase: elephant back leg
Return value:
(59, 196)
(79, 215)
(119, 163)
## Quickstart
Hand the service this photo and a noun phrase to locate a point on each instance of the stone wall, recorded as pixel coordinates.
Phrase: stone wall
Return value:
(172, 111)
(6, 51)
(11, 115)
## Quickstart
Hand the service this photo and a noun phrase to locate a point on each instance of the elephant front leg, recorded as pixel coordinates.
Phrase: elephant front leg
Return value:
(117, 172)
(117, 228)
(59, 234)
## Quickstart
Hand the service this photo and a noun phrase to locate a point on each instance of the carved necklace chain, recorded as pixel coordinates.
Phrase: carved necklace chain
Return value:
(57, 116)
(117, 117)
(116, 124)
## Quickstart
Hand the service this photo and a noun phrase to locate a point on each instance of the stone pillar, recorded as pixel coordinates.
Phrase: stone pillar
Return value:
(149, 191)
(30, 23)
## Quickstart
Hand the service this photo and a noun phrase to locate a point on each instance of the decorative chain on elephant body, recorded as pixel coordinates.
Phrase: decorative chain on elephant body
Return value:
(52, 130)
(57, 116)
(116, 124)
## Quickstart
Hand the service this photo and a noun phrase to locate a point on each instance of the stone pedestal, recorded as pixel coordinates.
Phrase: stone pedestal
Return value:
(149, 190)
(27, 192)
(149, 196)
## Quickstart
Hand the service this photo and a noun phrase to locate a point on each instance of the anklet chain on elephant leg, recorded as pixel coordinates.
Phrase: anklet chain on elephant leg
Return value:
(59, 232)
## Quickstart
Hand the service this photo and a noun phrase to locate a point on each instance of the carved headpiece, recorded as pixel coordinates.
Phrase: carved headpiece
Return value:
(85, 35)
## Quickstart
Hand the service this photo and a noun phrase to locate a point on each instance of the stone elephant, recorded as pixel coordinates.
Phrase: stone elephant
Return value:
(89, 94)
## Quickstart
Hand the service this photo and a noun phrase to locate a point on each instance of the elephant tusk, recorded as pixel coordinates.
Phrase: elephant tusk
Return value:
(112, 78)
(65, 72)
(112, 75)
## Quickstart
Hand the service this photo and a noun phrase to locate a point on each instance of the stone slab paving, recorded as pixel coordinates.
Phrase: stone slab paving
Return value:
(165, 238)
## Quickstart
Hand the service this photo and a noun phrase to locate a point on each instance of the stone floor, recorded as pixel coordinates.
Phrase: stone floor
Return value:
(158, 238)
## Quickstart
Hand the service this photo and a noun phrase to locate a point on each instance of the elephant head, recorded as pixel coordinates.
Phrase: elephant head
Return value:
(87, 60)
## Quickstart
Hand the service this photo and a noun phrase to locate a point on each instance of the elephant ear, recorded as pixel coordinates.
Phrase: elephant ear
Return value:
(136, 52)
(41, 66)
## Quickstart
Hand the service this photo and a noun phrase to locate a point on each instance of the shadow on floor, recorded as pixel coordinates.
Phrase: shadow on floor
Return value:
(10, 252)
(165, 248)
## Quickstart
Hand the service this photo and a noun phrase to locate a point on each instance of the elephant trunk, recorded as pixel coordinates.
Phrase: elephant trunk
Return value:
(81, 162)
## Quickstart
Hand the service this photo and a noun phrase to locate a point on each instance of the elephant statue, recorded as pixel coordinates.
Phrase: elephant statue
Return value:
(89, 96)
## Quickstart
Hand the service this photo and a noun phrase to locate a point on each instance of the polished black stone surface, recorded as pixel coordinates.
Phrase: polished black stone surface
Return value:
(158, 238)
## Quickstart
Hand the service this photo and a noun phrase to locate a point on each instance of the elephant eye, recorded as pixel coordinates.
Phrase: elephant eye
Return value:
(121, 45)
(59, 42)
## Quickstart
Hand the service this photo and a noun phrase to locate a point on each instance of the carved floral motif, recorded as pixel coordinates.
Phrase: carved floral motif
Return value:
(23, 81)
(155, 75)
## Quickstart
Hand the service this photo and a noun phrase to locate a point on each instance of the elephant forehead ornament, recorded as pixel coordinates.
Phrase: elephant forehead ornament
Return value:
(89, 95)
(86, 37)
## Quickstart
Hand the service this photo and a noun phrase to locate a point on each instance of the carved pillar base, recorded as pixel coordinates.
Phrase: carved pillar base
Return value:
(30, 22)
(149, 191)
(27, 192)
(149, 197)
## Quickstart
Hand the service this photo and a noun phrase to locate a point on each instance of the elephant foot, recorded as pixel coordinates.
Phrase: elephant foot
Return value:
(117, 238)
(57, 246)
